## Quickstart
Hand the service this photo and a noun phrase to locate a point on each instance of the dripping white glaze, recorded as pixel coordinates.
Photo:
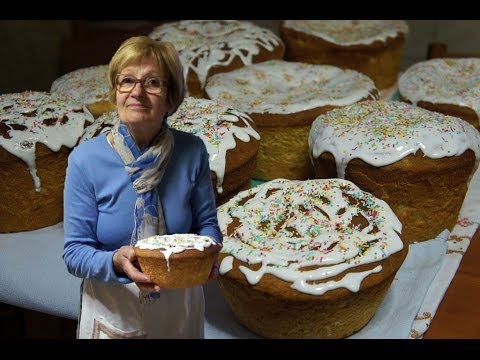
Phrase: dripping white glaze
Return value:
(217, 126)
(203, 44)
(316, 230)
(383, 132)
(50, 119)
(175, 243)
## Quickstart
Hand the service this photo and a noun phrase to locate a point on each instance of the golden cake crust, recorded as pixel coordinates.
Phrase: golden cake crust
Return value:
(272, 309)
(283, 99)
(426, 194)
(185, 269)
(37, 132)
(380, 60)
(231, 139)
(302, 259)
(283, 149)
(420, 162)
(27, 209)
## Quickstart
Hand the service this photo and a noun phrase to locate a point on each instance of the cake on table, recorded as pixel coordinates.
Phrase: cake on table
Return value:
(88, 86)
(420, 162)
(37, 132)
(372, 47)
(177, 260)
(307, 259)
(231, 140)
(208, 47)
(448, 86)
(283, 98)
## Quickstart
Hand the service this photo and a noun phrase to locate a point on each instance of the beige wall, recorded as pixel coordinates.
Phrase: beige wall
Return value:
(30, 49)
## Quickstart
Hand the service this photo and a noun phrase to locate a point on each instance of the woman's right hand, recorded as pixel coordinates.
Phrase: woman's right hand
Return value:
(125, 261)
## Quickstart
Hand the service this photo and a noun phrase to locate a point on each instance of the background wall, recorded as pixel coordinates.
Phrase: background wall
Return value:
(36, 52)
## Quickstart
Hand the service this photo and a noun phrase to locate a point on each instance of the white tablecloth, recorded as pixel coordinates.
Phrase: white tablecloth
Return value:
(33, 276)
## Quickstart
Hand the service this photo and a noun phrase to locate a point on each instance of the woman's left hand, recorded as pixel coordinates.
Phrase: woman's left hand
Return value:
(215, 267)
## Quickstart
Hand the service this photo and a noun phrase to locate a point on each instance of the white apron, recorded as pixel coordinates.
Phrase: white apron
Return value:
(123, 311)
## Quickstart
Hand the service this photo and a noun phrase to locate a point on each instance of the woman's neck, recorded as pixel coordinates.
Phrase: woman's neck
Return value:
(143, 135)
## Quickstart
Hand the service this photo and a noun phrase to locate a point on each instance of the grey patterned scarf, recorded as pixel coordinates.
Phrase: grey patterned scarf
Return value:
(146, 170)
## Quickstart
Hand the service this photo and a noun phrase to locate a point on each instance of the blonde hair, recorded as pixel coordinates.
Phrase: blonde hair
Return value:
(164, 54)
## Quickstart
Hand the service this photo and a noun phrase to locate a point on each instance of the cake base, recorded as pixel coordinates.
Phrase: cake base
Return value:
(379, 60)
(280, 312)
(186, 269)
(24, 209)
(426, 194)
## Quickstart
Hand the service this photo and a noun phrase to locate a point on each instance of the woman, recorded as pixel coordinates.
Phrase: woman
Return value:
(139, 180)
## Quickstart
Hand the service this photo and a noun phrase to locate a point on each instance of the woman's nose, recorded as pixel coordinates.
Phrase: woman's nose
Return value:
(137, 89)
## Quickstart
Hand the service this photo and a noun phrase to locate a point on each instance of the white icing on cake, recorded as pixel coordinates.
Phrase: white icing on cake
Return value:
(203, 44)
(85, 86)
(217, 126)
(175, 243)
(34, 116)
(314, 220)
(383, 132)
(281, 87)
(443, 81)
(349, 32)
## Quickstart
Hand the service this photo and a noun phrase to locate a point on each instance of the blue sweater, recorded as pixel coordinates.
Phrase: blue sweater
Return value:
(99, 201)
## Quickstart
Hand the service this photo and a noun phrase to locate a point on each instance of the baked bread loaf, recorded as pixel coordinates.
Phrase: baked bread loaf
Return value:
(283, 98)
(37, 132)
(372, 47)
(307, 259)
(87, 86)
(178, 260)
(448, 86)
(230, 138)
(208, 47)
(420, 162)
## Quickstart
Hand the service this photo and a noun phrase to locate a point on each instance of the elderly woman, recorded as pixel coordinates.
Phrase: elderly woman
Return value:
(139, 180)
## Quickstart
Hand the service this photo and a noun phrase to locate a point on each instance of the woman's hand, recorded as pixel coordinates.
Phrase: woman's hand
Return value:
(125, 261)
(215, 267)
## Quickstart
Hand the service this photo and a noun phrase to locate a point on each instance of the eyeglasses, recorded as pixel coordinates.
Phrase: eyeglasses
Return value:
(152, 84)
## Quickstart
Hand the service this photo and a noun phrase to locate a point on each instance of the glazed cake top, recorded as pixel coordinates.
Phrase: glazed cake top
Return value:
(281, 87)
(443, 81)
(349, 32)
(175, 243)
(203, 44)
(85, 86)
(383, 132)
(289, 225)
(34, 117)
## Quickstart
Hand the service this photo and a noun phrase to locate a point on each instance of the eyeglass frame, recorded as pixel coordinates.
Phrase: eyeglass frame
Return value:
(141, 81)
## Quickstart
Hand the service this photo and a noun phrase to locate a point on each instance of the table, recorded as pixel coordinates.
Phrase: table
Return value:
(458, 315)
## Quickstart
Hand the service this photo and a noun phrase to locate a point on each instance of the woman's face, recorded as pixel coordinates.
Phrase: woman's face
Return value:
(140, 106)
